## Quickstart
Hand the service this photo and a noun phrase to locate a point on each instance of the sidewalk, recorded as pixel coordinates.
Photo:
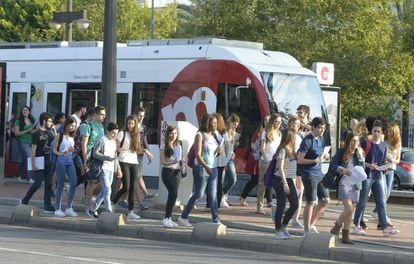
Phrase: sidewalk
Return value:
(242, 221)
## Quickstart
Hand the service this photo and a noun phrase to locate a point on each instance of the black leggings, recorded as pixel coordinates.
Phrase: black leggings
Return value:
(171, 179)
(254, 179)
(130, 173)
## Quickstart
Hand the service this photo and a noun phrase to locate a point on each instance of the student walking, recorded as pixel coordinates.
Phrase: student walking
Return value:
(128, 146)
(345, 159)
(105, 150)
(63, 148)
(284, 184)
(204, 170)
(310, 157)
(41, 140)
(172, 162)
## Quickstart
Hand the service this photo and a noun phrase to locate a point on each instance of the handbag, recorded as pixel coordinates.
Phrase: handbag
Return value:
(95, 170)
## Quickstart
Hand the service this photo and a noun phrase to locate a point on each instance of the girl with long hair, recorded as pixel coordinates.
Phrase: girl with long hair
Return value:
(270, 140)
(205, 169)
(231, 142)
(129, 146)
(63, 147)
(23, 129)
(345, 159)
(284, 184)
(171, 159)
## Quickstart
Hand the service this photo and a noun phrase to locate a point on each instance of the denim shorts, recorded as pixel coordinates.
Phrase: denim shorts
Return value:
(313, 189)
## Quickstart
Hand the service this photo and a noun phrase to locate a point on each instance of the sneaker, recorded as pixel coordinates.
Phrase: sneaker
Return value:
(314, 230)
(30, 181)
(18, 178)
(150, 195)
(390, 231)
(133, 216)
(70, 212)
(269, 205)
(92, 214)
(243, 202)
(289, 236)
(59, 213)
(224, 203)
(168, 223)
(123, 204)
(358, 231)
(217, 220)
(183, 222)
(49, 210)
(260, 210)
(142, 207)
(280, 235)
(296, 224)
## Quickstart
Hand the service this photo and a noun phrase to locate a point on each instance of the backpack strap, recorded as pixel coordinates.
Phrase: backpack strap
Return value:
(123, 139)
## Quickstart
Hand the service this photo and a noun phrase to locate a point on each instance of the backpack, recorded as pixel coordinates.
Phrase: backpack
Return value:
(78, 136)
(191, 157)
(52, 155)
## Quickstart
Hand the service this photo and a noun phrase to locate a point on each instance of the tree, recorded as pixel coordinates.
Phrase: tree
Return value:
(26, 20)
(362, 39)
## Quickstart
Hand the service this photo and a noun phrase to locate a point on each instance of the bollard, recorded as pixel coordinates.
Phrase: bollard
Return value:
(205, 232)
(24, 213)
(317, 245)
(109, 223)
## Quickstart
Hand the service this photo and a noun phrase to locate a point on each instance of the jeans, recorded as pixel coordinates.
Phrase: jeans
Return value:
(389, 178)
(249, 186)
(105, 194)
(61, 171)
(220, 173)
(39, 176)
(171, 179)
(201, 178)
(377, 187)
(230, 177)
(25, 152)
(130, 173)
(281, 202)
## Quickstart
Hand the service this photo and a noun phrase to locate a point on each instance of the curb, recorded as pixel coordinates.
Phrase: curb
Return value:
(314, 245)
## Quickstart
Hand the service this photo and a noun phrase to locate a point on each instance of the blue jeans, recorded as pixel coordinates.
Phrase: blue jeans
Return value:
(200, 183)
(105, 194)
(25, 152)
(230, 177)
(389, 178)
(281, 202)
(61, 171)
(377, 187)
(39, 176)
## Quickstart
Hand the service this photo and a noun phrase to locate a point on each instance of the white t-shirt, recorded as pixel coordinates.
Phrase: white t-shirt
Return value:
(270, 147)
(125, 154)
(110, 151)
(78, 120)
(176, 156)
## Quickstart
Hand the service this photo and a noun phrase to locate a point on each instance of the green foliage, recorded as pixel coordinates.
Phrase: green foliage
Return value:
(26, 20)
(364, 39)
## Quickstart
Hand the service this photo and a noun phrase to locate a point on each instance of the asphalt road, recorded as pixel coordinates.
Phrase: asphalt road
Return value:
(41, 246)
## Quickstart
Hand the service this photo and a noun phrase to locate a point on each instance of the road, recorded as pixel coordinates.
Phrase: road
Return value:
(40, 246)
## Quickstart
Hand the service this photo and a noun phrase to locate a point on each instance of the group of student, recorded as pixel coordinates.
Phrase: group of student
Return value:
(68, 151)
(297, 153)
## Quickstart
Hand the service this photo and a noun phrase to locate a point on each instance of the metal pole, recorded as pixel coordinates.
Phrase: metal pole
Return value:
(68, 33)
(152, 19)
(109, 62)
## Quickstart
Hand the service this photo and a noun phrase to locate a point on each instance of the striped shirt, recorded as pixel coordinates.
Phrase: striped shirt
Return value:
(289, 165)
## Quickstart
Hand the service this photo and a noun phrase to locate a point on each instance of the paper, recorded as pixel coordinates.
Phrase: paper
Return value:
(357, 174)
(326, 150)
(39, 162)
(177, 153)
(384, 167)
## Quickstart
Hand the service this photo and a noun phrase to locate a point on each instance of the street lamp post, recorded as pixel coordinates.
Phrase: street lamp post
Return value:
(68, 18)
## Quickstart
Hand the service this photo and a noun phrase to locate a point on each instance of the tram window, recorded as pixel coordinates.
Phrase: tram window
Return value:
(121, 108)
(19, 100)
(247, 108)
(149, 96)
(54, 103)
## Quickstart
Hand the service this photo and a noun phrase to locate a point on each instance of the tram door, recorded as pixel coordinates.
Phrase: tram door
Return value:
(19, 96)
(55, 97)
(123, 102)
